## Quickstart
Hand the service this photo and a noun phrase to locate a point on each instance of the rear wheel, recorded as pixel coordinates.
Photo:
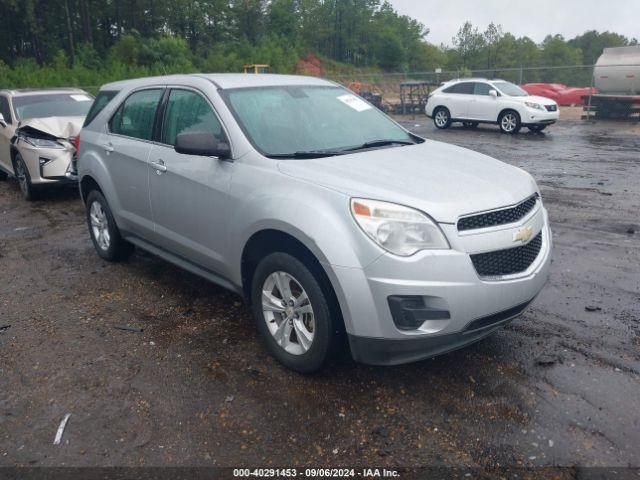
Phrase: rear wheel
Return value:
(442, 118)
(293, 314)
(24, 179)
(103, 229)
(537, 128)
(510, 122)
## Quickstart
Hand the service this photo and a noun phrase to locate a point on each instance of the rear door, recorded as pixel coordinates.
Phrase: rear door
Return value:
(458, 98)
(126, 147)
(189, 193)
(483, 106)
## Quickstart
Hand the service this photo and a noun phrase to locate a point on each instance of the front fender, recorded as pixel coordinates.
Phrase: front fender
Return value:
(316, 216)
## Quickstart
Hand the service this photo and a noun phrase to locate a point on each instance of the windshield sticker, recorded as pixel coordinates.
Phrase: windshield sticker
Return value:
(354, 102)
(81, 98)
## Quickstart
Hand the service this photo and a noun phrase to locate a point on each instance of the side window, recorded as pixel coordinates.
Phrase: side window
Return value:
(466, 88)
(5, 110)
(481, 89)
(98, 105)
(461, 88)
(188, 111)
(136, 115)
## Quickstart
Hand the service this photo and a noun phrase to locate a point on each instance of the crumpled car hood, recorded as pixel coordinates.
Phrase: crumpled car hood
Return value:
(59, 127)
(442, 180)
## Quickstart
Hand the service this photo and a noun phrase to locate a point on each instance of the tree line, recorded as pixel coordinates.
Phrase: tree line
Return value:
(89, 42)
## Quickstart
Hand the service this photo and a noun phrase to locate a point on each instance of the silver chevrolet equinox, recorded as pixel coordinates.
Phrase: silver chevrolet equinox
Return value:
(338, 225)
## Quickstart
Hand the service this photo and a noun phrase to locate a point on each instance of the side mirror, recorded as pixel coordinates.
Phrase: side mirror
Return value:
(3, 123)
(493, 93)
(203, 144)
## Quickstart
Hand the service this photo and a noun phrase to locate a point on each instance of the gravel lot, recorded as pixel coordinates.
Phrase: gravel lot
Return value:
(559, 386)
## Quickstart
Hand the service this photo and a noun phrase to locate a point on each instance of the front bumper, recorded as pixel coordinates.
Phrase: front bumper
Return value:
(446, 281)
(48, 165)
(538, 117)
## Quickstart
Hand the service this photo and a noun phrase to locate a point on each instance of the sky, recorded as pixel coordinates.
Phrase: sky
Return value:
(535, 19)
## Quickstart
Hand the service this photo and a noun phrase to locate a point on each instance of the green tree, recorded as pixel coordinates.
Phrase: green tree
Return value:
(557, 53)
(592, 43)
(469, 43)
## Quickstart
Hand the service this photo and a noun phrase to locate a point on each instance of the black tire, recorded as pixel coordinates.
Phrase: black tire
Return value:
(470, 124)
(442, 118)
(537, 128)
(511, 127)
(3, 175)
(326, 342)
(116, 247)
(29, 191)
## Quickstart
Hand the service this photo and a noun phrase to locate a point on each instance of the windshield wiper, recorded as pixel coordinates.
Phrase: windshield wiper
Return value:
(379, 143)
(309, 154)
(342, 151)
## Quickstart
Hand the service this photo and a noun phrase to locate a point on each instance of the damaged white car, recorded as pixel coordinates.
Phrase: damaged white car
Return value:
(38, 132)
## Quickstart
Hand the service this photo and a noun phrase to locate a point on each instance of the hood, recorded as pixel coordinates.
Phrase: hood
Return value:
(59, 127)
(442, 180)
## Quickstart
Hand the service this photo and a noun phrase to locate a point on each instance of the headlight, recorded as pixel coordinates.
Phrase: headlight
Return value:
(42, 142)
(535, 106)
(400, 230)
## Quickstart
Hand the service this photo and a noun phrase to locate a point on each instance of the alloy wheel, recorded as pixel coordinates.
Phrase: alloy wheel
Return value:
(21, 173)
(288, 313)
(100, 226)
(441, 118)
(509, 122)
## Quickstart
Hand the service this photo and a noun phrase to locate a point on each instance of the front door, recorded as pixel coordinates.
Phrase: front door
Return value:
(483, 106)
(7, 131)
(189, 193)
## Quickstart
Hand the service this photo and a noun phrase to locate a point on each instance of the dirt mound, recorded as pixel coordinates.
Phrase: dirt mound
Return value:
(310, 65)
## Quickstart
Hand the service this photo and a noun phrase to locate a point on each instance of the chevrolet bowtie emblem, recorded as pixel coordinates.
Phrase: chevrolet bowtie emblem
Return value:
(523, 235)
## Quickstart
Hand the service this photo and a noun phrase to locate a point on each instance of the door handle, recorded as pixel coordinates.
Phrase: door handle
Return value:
(159, 166)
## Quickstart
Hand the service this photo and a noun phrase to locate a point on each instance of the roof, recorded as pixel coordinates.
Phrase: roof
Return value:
(225, 80)
(23, 92)
(468, 79)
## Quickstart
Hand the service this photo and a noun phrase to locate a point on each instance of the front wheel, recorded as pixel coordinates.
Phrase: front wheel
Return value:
(24, 178)
(510, 122)
(442, 118)
(103, 229)
(293, 314)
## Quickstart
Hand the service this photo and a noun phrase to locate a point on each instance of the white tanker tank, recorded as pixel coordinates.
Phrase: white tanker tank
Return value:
(617, 71)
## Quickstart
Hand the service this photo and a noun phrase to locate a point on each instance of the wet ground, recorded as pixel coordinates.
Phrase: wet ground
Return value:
(559, 386)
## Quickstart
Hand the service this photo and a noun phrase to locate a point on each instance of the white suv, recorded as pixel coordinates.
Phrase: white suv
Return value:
(478, 100)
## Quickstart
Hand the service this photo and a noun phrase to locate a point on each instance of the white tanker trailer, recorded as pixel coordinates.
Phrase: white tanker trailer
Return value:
(616, 76)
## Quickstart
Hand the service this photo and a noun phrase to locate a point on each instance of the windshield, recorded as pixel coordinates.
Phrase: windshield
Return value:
(510, 89)
(289, 120)
(52, 105)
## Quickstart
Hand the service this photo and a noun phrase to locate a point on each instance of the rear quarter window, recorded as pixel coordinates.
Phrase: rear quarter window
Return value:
(101, 101)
